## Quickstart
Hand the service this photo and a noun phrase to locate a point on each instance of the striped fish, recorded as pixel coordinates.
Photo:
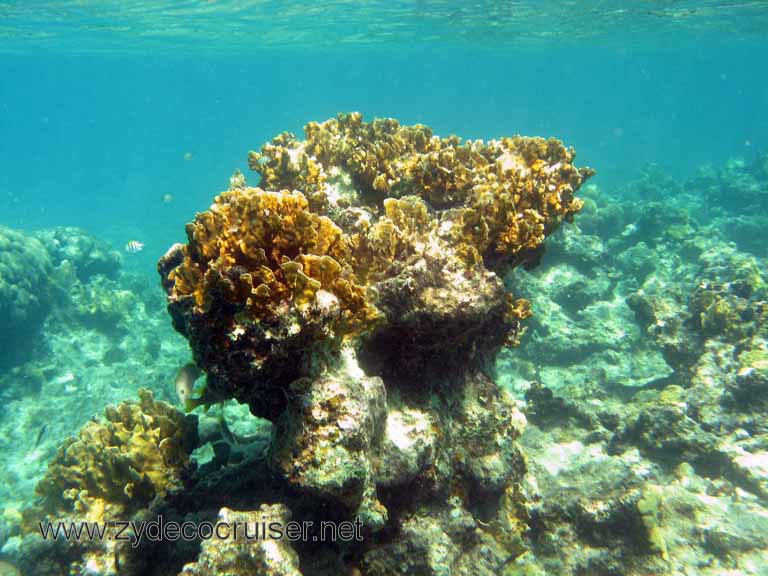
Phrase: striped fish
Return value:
(134, 246)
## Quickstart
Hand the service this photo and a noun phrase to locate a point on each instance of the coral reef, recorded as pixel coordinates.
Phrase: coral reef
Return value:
(355, 299)
(89, 255)
(345, 301)
(739, 186)
(243, 557)
(103, 340)
(646, 443)
(26, 294)
(114, 469)
(724, 302)
(584, 335)
(100, 304)
(363, 229)
(600, 513)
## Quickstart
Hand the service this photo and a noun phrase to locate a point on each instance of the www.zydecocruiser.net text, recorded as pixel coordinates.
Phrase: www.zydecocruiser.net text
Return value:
(160, 530)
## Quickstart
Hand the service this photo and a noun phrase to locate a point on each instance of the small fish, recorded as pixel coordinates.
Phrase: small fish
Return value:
(185, 382)
(134, 246)
(187, 155)
(167, 198)
(40, 435)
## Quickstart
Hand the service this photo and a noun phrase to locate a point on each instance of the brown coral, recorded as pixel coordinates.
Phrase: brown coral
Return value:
(264, 251)
(499, 197)
(115, 467)
(362, 229)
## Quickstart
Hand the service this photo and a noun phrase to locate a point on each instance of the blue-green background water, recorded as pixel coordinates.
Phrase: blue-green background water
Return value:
(126, 118)
(100, 103)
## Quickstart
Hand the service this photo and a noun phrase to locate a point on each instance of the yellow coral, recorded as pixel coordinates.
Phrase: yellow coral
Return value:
(115, 467)
(355, 202)
(515, 311)
(508, 194)
(262, 251)
(405, 225)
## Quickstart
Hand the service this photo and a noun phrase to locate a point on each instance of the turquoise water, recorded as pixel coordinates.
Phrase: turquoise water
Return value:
(125, 119)
(100, 102)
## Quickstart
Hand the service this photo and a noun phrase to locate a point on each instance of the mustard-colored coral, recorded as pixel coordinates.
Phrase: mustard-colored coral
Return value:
(264, 251)
(115, 467)
(515, 311)
(400, 232)
(357, 203)
(500, 197)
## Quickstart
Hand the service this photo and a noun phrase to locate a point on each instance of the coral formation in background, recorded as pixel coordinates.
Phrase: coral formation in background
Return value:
(739, 186)
(102, 341)
(87, 254)
(26, 293)
(730, 201)
(45, 272)
(645, 380)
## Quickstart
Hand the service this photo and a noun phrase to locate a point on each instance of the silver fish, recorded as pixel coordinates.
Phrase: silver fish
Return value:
(134, 246)
(185, 382)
